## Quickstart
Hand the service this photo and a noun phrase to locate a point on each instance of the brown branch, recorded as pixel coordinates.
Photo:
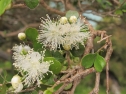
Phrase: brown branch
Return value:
(68, 58)
(11, 34)
(97, 81)
(4, 55)
(21, 20)
(18, 5)
(76, 82)
(27, 90)
(83, 73)
(42, 2)
(104, 38)
(107, 58)
(79, 5)
(74, 77)
(116, 2)
(89, 45)
(68, 5)
(1, 84)
(60, 89)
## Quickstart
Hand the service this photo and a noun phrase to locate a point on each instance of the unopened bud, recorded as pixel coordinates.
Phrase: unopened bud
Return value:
(73, 19)
(21, 36)
(15, 81)
(63, 20)
(66, 47)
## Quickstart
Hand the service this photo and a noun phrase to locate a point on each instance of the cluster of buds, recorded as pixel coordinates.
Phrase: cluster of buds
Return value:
(72, 19)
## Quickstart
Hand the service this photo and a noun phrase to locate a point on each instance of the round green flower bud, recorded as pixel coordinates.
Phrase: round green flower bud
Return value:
(63, 20)
(66, 47)
(73, 19)
(21, 36)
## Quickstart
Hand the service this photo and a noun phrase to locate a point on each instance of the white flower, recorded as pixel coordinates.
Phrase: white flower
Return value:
(16, 83)
(34, 65)
(55, 34)
(21, 36)
(50, 34)
(22, 49)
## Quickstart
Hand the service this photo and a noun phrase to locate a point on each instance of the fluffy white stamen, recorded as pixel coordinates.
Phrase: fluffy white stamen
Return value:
(54, 34)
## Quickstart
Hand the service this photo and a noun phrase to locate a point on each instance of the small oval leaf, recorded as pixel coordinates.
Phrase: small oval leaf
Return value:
(119, 12)
(32, 3)
(68, 86)
(56, 66)
(72, 13)
(37, 46)
(47, 92)
(31, 33)
(88, 60)
(99, 63)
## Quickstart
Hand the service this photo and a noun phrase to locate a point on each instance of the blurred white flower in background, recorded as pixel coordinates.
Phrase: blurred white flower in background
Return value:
(54, 34)
(32, 64)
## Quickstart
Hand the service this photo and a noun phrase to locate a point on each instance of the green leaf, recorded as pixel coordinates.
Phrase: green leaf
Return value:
(57, 87)
(46, 78)
(42, 87)
(47, 92)
(108, 3)
(121, 1)
(96, 59)
(79, 52)
(88, 60)
(123, 6)
(104, 3)
(72, 13)
(37, 46)
(48, 53)
(58, 56)
(68, 86)
(119, 12)
(31, 34)
(3, 89)
(49, 81)
(5, 74)
(3, 5)
(124, 10)
(99, 63)
(56, 66)
(32, 3)
(34, 92)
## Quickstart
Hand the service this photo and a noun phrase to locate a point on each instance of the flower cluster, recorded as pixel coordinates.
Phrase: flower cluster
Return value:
(30, 62)
(64, 32)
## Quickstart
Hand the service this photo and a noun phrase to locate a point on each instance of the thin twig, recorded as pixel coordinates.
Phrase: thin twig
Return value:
(96, 88)
(42, 2)
(104, 38)
(11, 34)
